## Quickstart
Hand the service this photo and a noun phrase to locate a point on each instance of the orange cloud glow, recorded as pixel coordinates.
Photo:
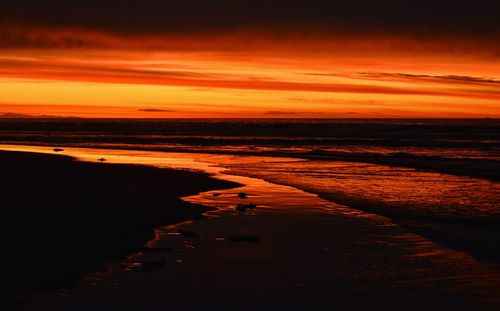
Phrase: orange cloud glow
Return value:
(215, 78)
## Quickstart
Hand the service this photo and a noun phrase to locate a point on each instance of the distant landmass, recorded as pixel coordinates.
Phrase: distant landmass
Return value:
(12, 115)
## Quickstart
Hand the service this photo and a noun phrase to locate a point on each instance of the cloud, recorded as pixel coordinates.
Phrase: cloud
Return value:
(448, 78)
(460, 79)
(223, 24)
(424, 17)
(281, 113)
(130, 71)
(154, 110)
(63, 71)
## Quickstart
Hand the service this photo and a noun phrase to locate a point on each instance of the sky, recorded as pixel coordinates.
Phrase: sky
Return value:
(250, 58)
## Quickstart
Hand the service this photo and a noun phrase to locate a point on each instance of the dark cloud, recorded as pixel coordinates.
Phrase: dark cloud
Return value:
(154, 110)
(280, 113)
(469, 79)
(280, 17)
(406, 76)
(457, 78)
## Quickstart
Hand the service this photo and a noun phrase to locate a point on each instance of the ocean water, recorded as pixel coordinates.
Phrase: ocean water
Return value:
(435, 177)
(467, 147)
(446, 138)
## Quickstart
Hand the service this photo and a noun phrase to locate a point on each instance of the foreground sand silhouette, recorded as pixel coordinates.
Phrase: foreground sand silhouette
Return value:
(62, 218)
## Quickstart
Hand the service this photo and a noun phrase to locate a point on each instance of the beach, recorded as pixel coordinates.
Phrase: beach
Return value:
(293, 249)
(62, 218)
(249, 155)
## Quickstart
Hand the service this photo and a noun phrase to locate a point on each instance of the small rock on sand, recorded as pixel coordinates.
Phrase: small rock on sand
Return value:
(187, 234)
(244, 207)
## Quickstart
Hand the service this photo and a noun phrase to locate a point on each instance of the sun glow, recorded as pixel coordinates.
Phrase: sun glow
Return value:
(97, 83)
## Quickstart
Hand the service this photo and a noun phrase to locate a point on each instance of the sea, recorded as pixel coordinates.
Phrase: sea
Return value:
(436, 177)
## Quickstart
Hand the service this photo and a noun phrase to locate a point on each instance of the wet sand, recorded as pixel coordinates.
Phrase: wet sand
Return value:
(460, 212)
(62, 218)
(311, 254)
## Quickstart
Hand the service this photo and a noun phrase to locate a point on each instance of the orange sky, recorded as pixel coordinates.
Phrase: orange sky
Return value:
(235, 77)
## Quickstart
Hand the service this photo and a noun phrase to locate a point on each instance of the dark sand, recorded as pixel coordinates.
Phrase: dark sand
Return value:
(311, 255)
(62, 218)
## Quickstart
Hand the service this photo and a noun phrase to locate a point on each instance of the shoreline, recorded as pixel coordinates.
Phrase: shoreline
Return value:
(486, 169)
(65, 218)
(477, 236)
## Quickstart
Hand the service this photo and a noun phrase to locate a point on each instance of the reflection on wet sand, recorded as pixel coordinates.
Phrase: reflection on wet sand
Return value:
(310, 253)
